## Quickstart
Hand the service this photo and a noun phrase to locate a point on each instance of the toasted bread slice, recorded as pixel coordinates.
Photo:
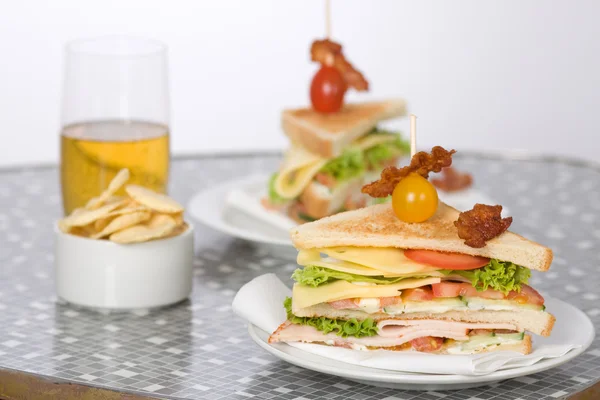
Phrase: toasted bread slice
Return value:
(329, 134)
(320, 202)
(284, 334)
(378, 226)
(538, 322)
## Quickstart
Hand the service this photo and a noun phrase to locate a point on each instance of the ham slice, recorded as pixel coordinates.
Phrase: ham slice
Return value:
(391, 333)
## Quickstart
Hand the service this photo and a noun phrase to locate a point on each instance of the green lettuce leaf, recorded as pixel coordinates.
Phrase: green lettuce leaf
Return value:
(350, 164)
(342, 328)
(377, 155)
(274, 197)
(314, 276)
(498, 275)
(381, 200)
(503, 276)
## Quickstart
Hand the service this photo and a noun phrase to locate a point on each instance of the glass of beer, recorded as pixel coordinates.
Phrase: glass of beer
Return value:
(115, 114)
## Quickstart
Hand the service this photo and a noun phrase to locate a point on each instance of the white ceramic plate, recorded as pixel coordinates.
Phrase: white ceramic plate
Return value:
(572, 326)
(210, 208)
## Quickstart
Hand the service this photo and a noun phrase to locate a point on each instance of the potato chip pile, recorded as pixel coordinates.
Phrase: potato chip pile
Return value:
(141, 216)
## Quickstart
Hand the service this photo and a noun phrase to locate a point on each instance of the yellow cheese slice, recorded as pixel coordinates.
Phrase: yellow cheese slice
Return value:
(387, 259)
(312, 257)
(366, 142)
(299, 168)
(306, 296)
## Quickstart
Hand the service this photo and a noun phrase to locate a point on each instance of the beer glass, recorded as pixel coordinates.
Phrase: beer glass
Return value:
(115, 114)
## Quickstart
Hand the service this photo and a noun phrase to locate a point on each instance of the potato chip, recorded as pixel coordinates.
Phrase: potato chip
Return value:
(86, 217)
(178, 218)
(140, 216)
(155, 201)
(123, 221)
(158, 227)
(179, 229)
(100, 224)
(118, 181)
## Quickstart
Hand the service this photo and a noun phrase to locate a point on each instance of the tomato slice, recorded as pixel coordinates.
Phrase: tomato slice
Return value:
(446, 260)
(388, 301)
(343, 304)
(447, 289)
(417, 294)
(427, 343)
(455, 289)
(528, 295)
(469, 291)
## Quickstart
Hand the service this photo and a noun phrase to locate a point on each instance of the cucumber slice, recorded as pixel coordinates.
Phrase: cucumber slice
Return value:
(510, 336)
(490, 334)
(478, 303)
(305, 217)
(434, 306)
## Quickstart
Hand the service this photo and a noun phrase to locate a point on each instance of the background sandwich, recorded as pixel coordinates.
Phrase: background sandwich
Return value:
(332, 156)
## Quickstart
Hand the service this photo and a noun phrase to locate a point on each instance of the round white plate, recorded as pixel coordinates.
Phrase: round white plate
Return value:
(210, 208)
(572, 326)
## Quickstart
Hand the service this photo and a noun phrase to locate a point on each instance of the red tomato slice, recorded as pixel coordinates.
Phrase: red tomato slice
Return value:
(446, 260)
(469, 291)
(447, 289)
(528, 295)
(343, 304)
(388, 301)
(427, 343)
(325, 179)
(455, 289)
(417, 294)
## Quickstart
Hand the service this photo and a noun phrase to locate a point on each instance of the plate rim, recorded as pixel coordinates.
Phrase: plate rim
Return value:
(401, 377)
(220, 190)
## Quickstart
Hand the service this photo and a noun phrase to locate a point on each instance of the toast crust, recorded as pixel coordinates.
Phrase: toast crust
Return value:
(378, 226)
(329, 134)
(318, 206)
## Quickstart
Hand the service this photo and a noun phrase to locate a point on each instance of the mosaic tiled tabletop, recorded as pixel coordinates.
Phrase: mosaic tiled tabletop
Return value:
(200, 350)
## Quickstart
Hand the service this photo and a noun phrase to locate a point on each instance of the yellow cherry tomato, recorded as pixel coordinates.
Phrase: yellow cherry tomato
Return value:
(415, 199)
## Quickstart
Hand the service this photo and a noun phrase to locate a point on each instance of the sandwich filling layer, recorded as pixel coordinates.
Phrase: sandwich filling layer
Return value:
(382, 298)
(327, 177)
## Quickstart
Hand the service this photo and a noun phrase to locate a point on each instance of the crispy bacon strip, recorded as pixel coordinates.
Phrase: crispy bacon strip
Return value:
(422, 163)
(481, 224)
(328, 52)
(453, 180)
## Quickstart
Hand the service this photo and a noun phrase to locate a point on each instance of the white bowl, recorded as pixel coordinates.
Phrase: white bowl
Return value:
(103, 274)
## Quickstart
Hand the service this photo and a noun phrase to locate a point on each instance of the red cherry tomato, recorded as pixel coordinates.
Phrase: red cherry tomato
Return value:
(327, 90)
(446, 260)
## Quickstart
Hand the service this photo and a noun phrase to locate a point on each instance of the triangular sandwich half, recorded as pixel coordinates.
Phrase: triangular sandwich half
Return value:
(371, 281)
(332, 156)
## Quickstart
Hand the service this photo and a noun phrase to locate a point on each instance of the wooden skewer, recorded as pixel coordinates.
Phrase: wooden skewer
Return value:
(413, 134)
(328, 19)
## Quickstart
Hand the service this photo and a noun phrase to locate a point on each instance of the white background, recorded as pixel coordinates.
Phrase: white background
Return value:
(479, 74)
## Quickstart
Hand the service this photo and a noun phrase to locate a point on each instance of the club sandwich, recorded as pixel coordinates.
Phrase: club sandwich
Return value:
(368, 280)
